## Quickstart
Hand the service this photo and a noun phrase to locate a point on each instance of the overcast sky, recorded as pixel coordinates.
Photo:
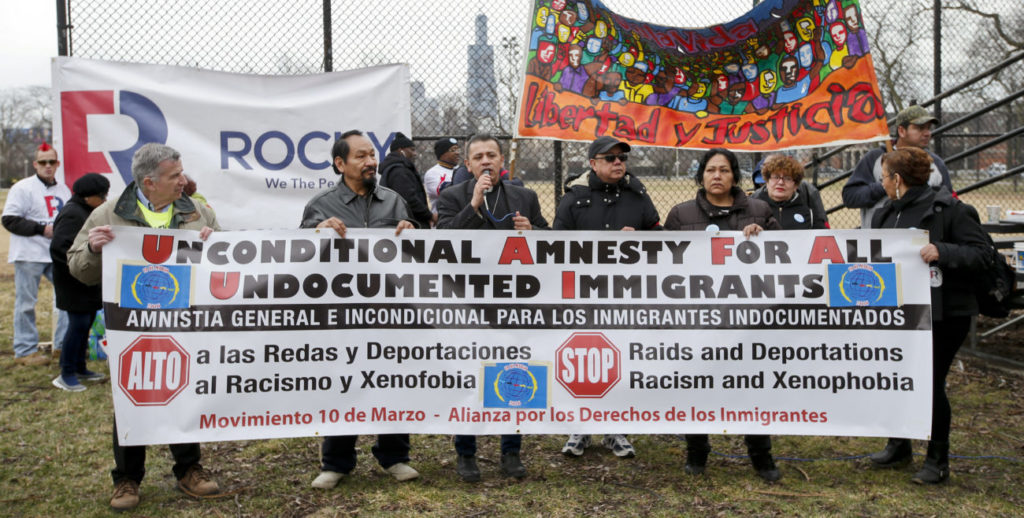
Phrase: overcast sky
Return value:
(28, 38)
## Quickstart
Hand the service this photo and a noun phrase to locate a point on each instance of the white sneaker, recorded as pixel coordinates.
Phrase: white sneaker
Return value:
(576, 444)
(63, 385)
(327, 479)
(619, 445)
(402, 472)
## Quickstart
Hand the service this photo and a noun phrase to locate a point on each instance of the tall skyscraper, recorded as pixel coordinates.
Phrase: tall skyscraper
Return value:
(481, 88)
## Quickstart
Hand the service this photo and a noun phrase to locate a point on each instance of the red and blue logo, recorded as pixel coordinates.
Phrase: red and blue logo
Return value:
(75, 109)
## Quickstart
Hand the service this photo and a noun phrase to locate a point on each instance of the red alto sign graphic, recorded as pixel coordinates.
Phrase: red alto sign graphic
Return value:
(588, 365)
(153, 370)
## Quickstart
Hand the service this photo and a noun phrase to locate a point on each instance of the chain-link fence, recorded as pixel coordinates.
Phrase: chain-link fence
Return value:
(465, 59)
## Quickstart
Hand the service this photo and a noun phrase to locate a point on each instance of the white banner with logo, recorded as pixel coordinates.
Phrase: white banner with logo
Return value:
(299, 333)
(257, 146)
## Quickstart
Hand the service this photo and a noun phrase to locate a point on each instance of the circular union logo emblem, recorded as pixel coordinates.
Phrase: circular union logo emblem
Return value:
(862, 285)
(155, 287)
(515, 385)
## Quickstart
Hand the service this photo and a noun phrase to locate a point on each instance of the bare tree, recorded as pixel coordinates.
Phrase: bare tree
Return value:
(25, 122)
(900, 47)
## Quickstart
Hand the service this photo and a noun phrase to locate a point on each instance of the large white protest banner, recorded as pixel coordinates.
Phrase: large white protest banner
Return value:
(296, 333)
(258, 147)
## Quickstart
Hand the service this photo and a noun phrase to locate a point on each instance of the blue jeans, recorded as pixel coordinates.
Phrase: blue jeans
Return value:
(76, 343)
(26, 292)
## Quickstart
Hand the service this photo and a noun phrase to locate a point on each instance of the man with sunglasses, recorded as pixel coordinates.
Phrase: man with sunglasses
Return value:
(488, 203)
(32, 205)
(605, 198)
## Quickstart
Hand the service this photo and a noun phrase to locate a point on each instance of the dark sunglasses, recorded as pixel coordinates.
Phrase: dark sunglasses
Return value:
(611, 158)
(48, 162)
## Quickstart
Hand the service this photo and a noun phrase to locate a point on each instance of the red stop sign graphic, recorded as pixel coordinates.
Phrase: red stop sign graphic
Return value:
(153, 370)
(587, 365)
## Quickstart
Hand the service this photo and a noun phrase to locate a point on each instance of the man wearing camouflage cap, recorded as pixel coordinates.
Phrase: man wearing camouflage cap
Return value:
(864, 188)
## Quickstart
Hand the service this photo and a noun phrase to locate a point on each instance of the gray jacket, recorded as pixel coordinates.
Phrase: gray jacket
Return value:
(382, 208)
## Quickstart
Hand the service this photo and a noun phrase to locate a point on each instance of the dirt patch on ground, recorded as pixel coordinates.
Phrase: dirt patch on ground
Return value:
(1008, 343)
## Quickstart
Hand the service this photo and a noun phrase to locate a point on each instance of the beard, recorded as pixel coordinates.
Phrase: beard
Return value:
(370, 181)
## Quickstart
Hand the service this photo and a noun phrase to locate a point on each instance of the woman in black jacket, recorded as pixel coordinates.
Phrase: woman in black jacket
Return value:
(795, 204)
(956, 255)
(80, 301)
(721, 205)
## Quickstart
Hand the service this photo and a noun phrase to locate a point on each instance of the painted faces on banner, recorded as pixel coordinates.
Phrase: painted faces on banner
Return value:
(558, 5)
(750, 71)
(680, 78)
(768, 82)
(788, 70)
(627, 59)
(568, 18)
(550, 23)
(838, 32)
(542, 16)
(564, 33)
(700, 89)
(594, 45)
(736, 92)
(600, 29)
(546, 52)
(805, 27)
(575, 55)
(852, 21)
(584, 13)
(806, 55)
(832, 12)
(635, 75)
(723, 82)
(789, 42)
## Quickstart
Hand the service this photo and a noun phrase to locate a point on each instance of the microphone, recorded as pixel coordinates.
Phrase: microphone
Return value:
(491, 188)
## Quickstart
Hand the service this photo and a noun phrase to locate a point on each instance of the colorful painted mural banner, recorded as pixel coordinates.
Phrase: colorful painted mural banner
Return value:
(787, 74)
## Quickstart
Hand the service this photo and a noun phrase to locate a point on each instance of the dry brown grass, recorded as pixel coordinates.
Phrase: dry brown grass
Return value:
(55, 460)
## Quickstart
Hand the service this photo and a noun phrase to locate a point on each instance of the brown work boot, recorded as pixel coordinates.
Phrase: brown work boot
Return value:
(33, 360)
(126, 495)
(197, 482)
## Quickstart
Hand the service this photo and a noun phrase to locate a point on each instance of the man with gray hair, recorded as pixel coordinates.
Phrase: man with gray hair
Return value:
(152, 200)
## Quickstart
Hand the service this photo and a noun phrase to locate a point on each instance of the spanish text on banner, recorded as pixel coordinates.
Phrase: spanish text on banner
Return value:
(788, 74)
(299, 333)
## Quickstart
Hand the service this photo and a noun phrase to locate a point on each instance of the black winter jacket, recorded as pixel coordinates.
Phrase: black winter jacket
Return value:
(955, 229)
(72, 294)
(399, 174)
(455, 211)
(591, 204)
(803, 211)
(699, 213)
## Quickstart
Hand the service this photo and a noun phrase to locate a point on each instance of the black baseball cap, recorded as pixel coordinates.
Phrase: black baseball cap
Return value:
(605, 144)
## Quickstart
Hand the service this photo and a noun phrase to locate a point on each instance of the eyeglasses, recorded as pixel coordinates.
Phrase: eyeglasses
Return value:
(611, 158)
(784, 179)
(48, 162)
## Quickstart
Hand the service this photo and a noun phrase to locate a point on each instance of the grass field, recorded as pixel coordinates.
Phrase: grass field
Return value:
(55, 460)
(668, 193)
